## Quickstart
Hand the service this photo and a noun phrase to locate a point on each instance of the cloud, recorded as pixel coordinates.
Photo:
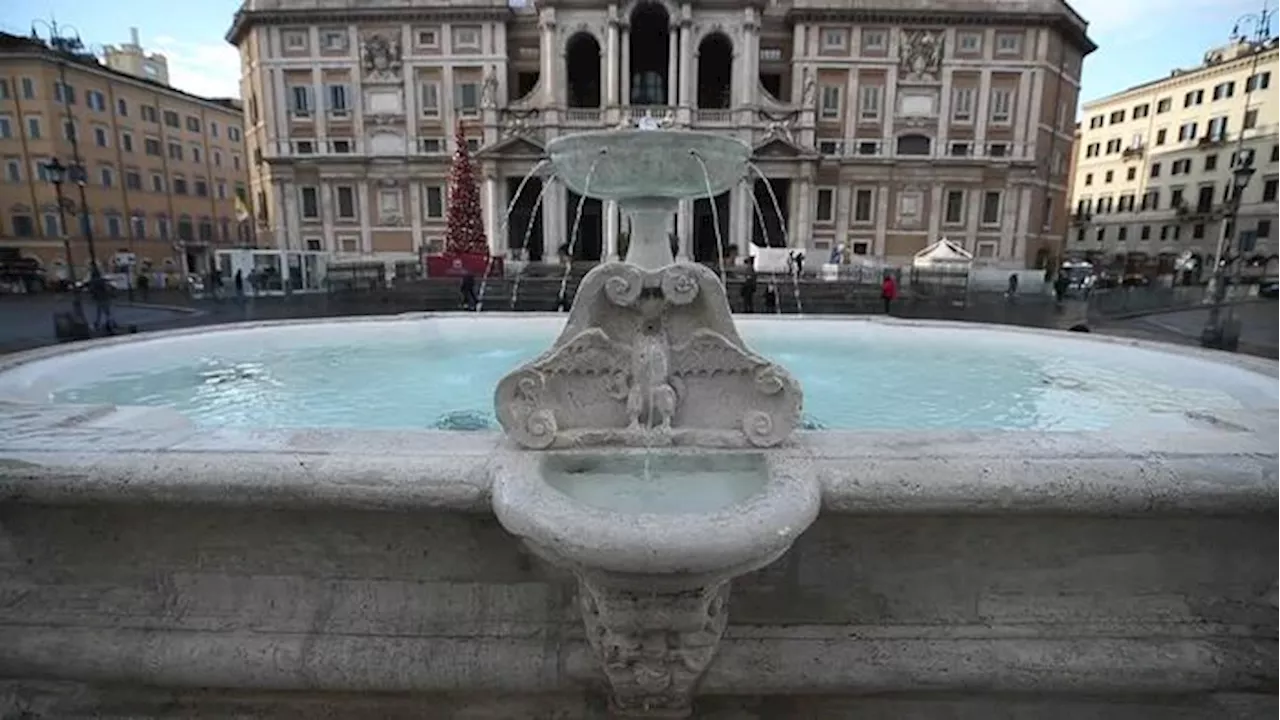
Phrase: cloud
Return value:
(208, 69)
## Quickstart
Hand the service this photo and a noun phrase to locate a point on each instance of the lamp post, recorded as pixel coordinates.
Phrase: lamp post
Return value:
(57, 173)
(1222, 331)
(64, 40)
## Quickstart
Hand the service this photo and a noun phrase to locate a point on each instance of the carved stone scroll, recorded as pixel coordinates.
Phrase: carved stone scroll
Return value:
(649, 358)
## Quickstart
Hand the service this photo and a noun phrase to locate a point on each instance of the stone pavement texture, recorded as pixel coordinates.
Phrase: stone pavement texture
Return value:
(1259, 327)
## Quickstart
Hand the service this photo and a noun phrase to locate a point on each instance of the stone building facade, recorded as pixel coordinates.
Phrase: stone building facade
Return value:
(1155, 165)
(878, 125)
(162, 167)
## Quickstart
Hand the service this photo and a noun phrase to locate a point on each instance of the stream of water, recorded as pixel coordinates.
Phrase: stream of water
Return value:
(782, 226)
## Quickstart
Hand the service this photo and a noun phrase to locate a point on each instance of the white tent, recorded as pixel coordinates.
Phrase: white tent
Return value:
(943, 253)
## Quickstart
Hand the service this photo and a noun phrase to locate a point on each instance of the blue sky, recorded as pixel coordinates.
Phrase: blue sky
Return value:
(1138, 40)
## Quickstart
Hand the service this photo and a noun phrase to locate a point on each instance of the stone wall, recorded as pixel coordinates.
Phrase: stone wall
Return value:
(184, 610)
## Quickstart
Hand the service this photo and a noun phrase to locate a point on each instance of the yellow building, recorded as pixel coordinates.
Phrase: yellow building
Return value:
(1154, 164)
(131, 59)
(162, 168)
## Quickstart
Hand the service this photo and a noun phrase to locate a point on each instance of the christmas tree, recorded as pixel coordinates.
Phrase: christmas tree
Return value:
(465, 228)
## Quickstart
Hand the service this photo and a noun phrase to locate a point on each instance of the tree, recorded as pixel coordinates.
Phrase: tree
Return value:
(464, 233)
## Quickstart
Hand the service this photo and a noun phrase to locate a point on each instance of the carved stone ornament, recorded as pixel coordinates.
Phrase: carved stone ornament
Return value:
(489, 90)
(381, 58)
(654, 646)
(920, 55)
(649, 358)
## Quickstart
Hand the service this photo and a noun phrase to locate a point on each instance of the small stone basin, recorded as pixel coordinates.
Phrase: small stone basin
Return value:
(713, 514)
(676, 484)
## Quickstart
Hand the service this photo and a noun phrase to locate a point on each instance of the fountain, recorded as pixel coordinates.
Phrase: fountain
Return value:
(290, 518)
(650, 356)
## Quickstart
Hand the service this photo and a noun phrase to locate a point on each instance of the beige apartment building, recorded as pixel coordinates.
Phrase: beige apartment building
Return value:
(162, 168)
(132, 59)
(878, 124)
(1154, 164)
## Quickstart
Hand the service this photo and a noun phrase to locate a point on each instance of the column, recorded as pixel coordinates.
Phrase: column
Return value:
(942, 147)
(411, 110)
(882, 222)
(973, 213)
(279, 217)
(1022, 115)
(625, 79)
(1022, 228)
(798, 50)
(356, 100)
(489, 206)
(611, 60)
(683, 230)
(610, 231)
(280, 95)
(982, 112)
(748, 57)
(415, 212)
(844, 202)
(366, 217)
(736, 201)
(446, 102)
(553, 233)
(326, 215)
(686, 66)
(320, 103)
(804, 215)
(675, 68)
(936, 211)
(550, 55)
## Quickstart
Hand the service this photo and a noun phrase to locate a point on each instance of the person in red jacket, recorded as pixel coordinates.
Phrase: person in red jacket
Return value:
(888, 291)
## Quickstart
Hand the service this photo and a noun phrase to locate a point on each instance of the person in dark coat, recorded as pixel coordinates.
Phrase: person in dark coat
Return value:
(468, 291)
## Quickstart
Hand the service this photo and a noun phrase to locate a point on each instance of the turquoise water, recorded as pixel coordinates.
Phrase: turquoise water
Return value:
(896, 380)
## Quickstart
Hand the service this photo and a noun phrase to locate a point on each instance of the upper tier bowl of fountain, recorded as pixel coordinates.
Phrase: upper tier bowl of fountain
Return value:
(648, 164)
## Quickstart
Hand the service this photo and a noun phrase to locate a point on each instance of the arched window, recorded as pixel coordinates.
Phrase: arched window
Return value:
(715, 72)
(582, 71)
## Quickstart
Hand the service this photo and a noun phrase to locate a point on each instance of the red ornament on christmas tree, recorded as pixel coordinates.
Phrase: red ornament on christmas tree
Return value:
(464, 234)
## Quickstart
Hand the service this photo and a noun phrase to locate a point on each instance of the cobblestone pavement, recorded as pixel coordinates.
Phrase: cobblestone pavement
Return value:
(26, 321)
(1259, 327)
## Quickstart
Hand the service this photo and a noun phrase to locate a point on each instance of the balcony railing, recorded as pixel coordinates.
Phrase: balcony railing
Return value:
(1131, 153)
(582, 116)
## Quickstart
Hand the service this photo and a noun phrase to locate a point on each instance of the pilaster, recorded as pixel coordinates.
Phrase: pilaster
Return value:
(365, 217)
(882, 221)
(610, 250)
(982, 112)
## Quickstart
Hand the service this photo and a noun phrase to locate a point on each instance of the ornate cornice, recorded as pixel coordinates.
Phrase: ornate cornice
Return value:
(1070, 29)
(244, 20)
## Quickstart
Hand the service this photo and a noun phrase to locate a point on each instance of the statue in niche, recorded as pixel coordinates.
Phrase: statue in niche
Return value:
(809, 89)
(651, 398)
(382, 57)
(489, 90)
(920, 54)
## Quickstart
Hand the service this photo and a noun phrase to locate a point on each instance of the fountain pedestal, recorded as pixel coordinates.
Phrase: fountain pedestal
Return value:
(654, 560)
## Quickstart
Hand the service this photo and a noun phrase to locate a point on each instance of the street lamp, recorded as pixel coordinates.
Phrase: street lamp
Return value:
(1222, 331)
(57, 173)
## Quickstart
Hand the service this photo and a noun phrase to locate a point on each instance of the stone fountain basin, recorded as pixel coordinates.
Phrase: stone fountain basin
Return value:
(648, 164)
(703, 514)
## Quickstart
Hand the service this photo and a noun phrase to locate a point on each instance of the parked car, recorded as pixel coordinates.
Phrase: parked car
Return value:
(1269, 289)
